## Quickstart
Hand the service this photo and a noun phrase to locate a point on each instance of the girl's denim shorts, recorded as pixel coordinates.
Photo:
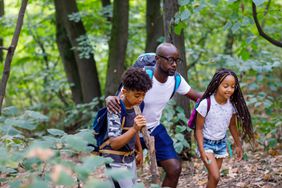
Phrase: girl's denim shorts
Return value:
(217, 147)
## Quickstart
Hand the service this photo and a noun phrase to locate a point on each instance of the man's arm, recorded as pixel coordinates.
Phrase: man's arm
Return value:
(193, 95)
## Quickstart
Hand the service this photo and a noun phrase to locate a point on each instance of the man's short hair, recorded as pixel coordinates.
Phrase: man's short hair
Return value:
(136, 79)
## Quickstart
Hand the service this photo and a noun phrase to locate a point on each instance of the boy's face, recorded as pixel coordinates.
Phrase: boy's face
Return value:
(132, 98)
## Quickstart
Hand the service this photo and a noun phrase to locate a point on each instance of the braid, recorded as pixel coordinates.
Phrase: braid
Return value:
(237, 99)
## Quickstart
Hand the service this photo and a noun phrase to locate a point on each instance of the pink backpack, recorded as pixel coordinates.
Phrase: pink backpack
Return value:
(192, 120)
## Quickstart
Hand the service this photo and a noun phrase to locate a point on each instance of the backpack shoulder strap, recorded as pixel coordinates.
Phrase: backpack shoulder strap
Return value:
(177, 79)
(150, 71)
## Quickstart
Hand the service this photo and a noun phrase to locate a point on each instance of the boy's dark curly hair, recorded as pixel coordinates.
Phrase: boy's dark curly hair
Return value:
(136, 79)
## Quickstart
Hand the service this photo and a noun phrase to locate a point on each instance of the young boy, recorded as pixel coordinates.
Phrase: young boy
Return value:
(122, 136)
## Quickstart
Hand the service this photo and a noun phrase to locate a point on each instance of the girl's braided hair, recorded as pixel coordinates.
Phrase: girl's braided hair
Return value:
(237, 99)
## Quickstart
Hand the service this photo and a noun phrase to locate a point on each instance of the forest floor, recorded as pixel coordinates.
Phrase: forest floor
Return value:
(261, 169)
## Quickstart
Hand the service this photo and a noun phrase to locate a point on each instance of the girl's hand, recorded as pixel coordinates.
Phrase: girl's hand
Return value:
(239, 153)
(139, 158)
(205, 158)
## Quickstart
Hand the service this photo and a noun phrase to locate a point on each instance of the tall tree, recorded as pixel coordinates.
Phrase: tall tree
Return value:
(67, 55)
(170, 9)
(87, 71)
(154, 25)
(117, 45)
(228, 47)
(11, 51)
(1, 39)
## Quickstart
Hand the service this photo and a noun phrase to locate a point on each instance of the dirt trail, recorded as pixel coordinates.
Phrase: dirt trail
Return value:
(259, 170)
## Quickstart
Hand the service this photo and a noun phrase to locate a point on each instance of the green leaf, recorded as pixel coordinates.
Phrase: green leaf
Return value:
(185, 143)
(90, 164)
(15, 184)
(24, 124)
(36, 116)
(177, 29)
(180, 129)
(30, 163)
(87, 135)
(10, 111)
(179, 137)
(185, 15)
(7, 170)
(39, 183)
(258, 2)
(82, 172)
(236, 27)
(56, 132)
(245, 54)
(93, 162)
(65, 179)
(9, 130)
(75, 143)
(178, 147)
(183, 2)
(227, 26)
(250, 39)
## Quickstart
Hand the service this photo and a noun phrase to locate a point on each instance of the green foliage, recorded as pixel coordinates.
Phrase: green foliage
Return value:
(176, 123)
(36, 112)
(48, 160)
(81, 114)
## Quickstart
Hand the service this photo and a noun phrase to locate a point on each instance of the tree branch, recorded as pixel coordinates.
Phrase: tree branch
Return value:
(260, 30)
(10, 54)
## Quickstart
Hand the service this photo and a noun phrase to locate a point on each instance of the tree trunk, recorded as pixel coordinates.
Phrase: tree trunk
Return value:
(86, 67)
(170, 8)
(1, 39)
(105, 4)
(154, 25)
(117, 45)
(67, 55)
(228, 49)
(11, 51)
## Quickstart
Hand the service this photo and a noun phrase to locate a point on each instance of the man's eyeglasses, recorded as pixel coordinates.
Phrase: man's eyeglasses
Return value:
(171, 60)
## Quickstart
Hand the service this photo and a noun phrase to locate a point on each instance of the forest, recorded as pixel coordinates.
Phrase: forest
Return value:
(59, 59)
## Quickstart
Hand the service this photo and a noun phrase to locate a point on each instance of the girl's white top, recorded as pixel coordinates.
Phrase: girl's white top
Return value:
(218, 118)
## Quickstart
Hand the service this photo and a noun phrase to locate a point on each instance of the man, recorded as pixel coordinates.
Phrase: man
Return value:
(167, 59)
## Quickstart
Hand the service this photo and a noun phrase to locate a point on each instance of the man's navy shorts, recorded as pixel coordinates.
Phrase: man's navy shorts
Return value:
(163, 144)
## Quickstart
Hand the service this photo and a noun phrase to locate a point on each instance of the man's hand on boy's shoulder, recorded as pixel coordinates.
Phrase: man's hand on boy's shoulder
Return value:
(113, 105)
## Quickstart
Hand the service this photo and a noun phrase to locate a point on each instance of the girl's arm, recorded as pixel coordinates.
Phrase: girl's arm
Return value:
(119, 141)
(200, 138)
(235, 135)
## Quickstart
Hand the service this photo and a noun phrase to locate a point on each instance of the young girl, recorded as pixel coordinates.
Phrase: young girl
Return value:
(226, 104)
